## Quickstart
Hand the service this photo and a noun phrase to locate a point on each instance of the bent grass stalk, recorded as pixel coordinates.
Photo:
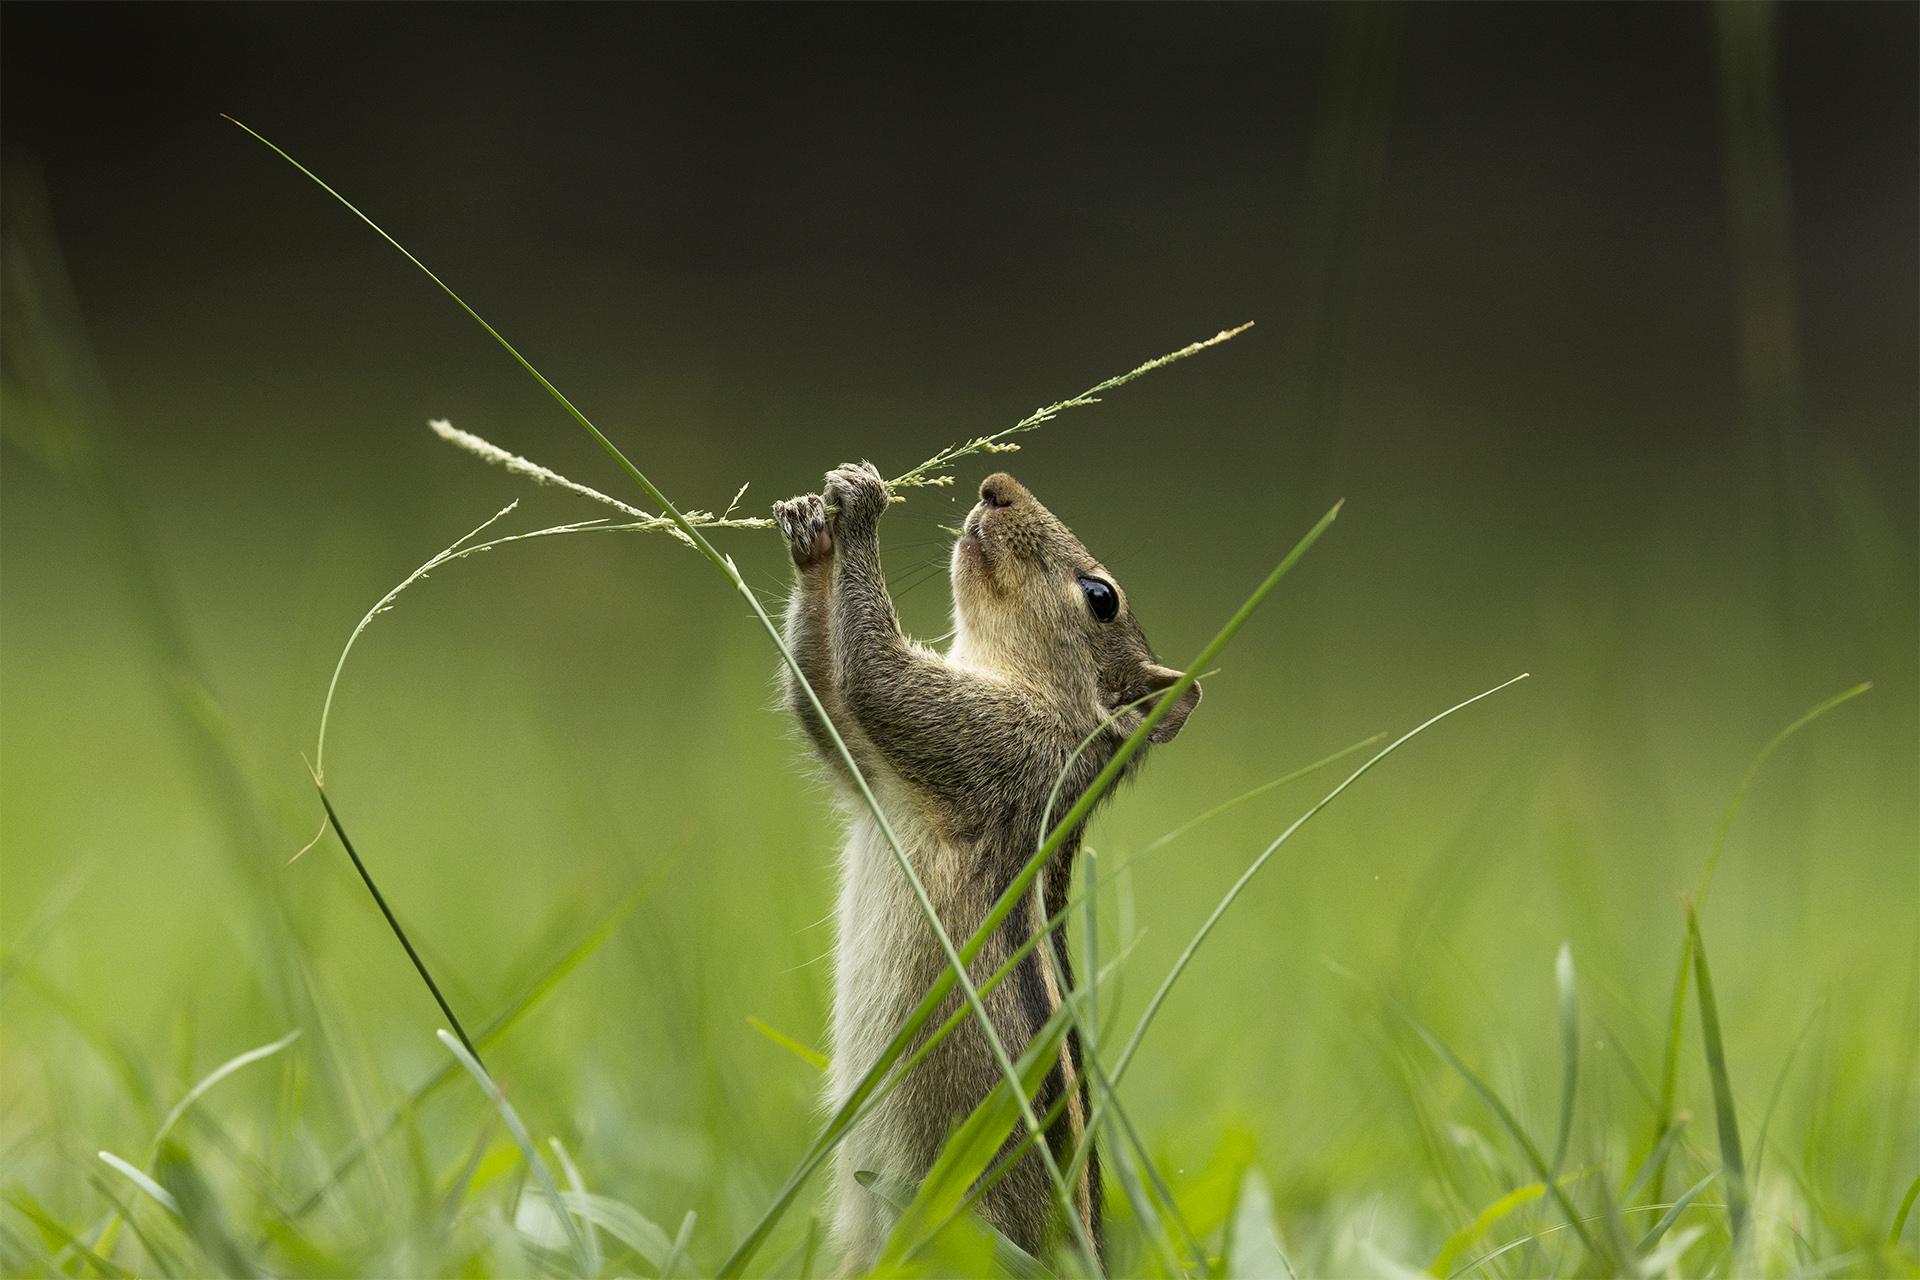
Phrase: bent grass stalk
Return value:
(725, 566)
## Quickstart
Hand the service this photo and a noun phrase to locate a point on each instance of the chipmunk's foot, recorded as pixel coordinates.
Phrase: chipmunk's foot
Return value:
(804, 521)
(858, 494)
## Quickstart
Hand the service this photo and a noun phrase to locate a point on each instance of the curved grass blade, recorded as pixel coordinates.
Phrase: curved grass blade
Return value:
(51, 1228)
(524, 1140)
(1293, 775)
(671, 1267)
(812, 1057)
(157, 1193)
(1734, 1165)
(1672, 1215)
(624, 1223)
(1655, 1158)
(1779, 1086)
(577, 1186)
(1569, 1050)
(1246, 877)
(1484, 1221)
(1676, 1005)
(213, 1078)
(380, 900)
(1900, 1216)
(1159, 998)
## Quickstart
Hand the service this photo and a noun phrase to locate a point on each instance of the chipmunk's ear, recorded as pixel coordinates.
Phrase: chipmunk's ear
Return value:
(1159, 677)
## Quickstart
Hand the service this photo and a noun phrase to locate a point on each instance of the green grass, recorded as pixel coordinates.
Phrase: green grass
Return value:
(1461, 1100)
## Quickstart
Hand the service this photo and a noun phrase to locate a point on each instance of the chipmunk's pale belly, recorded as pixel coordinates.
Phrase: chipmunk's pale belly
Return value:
(886, 958)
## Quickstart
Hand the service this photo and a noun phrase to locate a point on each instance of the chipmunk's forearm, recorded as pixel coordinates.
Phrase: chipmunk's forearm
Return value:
(808, 636)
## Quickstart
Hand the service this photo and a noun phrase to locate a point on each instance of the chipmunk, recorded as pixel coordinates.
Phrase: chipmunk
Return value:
(961, 749)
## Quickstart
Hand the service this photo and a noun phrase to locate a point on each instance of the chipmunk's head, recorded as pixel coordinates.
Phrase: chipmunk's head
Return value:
(1031, 602)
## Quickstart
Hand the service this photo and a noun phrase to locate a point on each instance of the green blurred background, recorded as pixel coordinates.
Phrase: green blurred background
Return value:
(1602, 319)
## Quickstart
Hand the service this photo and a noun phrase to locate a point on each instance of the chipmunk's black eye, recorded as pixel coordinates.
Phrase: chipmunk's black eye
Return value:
(1101, 598)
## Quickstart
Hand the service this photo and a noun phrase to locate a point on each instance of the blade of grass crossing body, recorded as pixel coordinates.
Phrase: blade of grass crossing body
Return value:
(1089, 1031)
(725, 566)
(1676, 1004)
(1564, 982)
(972, 1146)
(1731, 1159)
(524, 1140)
(842, 1118)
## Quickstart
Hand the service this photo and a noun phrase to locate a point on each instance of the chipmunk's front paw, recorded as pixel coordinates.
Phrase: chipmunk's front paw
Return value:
(804, 521)
(859, 494)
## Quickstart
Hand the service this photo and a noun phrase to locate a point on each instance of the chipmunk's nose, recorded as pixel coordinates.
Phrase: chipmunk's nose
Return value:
(1001, 490)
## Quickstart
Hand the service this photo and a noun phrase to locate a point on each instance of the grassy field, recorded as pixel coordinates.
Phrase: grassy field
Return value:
(1614, 971)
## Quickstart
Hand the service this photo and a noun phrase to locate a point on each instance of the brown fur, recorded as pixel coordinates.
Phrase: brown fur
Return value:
(961, 749)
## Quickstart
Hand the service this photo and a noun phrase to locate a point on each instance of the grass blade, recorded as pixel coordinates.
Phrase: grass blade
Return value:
(1728, 1122)
(214, 1077)
(51, 1228)
(1207, 926)
(972, 1145)
(159, 1194)
(380, 900)
(812, 1057)
(1569, 1050)
(1900, 1216)
(1676, 1005)
(1674, 1210)
(1655, 1159)
(577, 1186)
(541, 1174)
(1779, 1086)
(1484, 1221)
(624, 1223)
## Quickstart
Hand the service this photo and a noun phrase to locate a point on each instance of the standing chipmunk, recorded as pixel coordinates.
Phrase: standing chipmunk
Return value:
(961, 749)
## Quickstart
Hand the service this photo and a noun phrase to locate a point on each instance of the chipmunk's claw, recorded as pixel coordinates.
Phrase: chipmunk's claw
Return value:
(857, 493)
(804, 522)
